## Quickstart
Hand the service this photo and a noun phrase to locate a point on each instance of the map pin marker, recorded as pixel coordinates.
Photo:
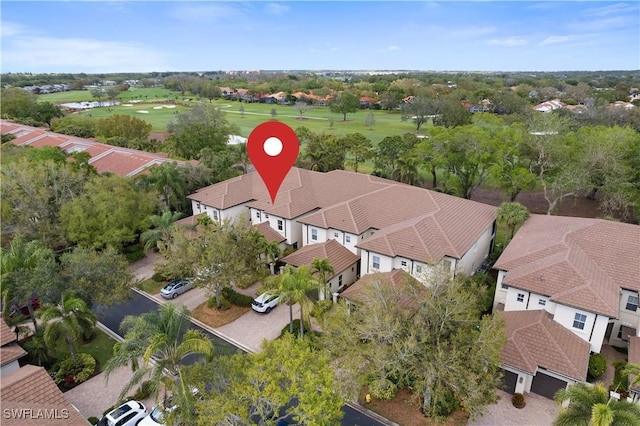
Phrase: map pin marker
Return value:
(273, 148)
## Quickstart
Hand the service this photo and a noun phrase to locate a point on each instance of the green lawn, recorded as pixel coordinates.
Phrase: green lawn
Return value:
(315, 118)
(151, 286)
(101, 348)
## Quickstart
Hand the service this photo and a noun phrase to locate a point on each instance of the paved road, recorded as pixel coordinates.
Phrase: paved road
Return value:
(139, 304)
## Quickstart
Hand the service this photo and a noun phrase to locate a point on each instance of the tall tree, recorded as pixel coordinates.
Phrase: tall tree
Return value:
(98, 277)
(359, 147)
(111, 212)
(72, 319)
(419, 110)
(162, 340)
(512, 214)
(294, 286)
(406, 169)
(345, 103)
(203, 126)
(324, 269)
(591, 405)
(161, 232)
(166, 179)
(121, 125)
(265, 386)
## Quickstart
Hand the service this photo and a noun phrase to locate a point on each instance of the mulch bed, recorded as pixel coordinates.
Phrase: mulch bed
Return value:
(215, 318)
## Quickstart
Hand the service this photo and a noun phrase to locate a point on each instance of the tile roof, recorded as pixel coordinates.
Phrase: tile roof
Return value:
(105, 158)
(339, 256)
(269, 233)
(535, 340)
(574, 261)
(31, 388)
(397, 278)
(9, 349)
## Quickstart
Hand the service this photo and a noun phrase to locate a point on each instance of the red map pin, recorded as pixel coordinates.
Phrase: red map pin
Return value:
(273, 148)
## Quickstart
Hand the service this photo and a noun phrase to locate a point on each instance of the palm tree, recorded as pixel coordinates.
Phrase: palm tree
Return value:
(162, 336)
(316, 160)
(161, 229)
(591, 405)
(633, 371)
(71, 319)
(294, 286)
(323, 268)
(513, 215)
(406, 170)
(166, 179)
(20, 258)
(241, 156)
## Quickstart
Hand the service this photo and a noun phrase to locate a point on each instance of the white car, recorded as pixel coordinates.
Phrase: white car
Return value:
(157, 415)
(265, 302)
(128, 414)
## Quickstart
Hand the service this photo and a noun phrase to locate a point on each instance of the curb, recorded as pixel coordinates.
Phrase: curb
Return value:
(371, 414)
(200, 324)
(115, 336)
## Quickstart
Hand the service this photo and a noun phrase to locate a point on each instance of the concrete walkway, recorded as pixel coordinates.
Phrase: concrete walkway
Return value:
(539, 411)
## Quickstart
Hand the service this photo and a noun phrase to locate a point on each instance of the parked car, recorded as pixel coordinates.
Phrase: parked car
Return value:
(175, 288)
(156, 416)
(265, 302)
(23, 309)
(128, 414)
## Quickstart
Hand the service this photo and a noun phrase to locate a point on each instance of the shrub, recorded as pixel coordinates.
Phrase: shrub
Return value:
(134, 256)
(213, 304)
(296, 328)
(383, 389)
(236, 298)
(93, 420)
(446, 404)
(320, 308)
(518, 400)
(597, 365)
(144, 391)
(78, 370)
(159, 277)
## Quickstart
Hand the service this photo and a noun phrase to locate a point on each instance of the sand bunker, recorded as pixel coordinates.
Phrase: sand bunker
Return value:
(127, 104)
(143, 111)
(169, 106)
(158, 107)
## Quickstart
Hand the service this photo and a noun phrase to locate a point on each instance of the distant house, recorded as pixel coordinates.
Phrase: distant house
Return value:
(366, 102)
(549, 106)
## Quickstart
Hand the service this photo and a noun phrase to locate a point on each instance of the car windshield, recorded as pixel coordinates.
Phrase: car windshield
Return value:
(170, 286)
(157, 415)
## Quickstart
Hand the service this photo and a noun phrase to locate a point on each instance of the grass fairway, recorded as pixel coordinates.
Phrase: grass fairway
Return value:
(316, 119)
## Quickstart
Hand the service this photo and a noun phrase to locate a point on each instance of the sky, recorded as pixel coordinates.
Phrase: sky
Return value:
(144, 36)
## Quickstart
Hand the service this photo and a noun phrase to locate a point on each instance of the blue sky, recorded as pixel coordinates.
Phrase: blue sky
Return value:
(129, 36)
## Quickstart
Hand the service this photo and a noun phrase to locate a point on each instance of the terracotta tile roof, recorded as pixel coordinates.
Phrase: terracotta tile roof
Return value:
(6, 335)
(397, 278)
(9, 350)
(105, 158)
(575, 261)
(31, 388)
(535, 340)
(188, 225)
(634, 356)
(269, 233)
(339, 256)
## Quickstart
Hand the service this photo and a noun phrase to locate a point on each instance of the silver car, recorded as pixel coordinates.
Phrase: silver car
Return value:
(175, 288)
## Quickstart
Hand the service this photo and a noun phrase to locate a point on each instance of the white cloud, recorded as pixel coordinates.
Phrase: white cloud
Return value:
(509, 41)
(393, 48)
(613, 9)
(12, 28)
(276, 9)
(208, 12)
(67, 54)
(554, 40)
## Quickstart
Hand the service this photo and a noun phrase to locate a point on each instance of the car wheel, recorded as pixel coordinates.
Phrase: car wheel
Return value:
(267, 311)
(174, 295)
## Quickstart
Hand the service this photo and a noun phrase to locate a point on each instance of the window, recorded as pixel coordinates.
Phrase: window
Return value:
(376, 262)
(403, 263)
(198, 206)
(266, 216)
(340, 281)
(314, 234)
(280, 225)
(215, 214)
(520, 297)
(347, 238)
(542, 302)
(632, 303)
(335, 235)
(579, 320)
(418, 269)
(258, 215)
